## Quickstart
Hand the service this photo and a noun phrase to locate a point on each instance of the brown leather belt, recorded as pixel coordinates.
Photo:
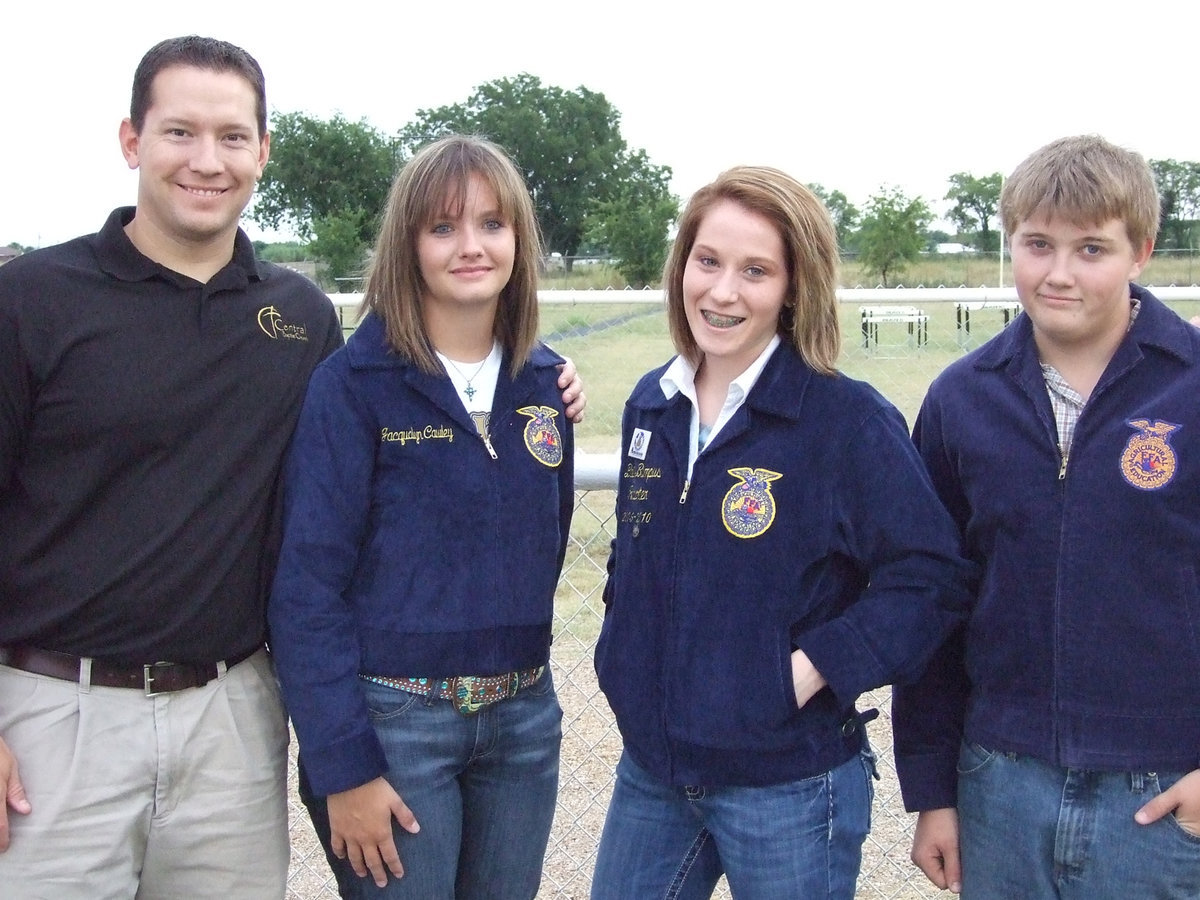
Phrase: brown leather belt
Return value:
(153, 678)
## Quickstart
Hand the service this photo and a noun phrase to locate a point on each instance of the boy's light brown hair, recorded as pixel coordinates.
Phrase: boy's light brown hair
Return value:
(809, 318)
(431, 184)
(1087, 181)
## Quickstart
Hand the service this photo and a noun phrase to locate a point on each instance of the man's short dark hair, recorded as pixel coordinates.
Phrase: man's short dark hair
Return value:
(201, 53)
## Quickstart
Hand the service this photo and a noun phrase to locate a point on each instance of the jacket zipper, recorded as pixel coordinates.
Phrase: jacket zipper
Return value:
(1062, 469)
(487, 442)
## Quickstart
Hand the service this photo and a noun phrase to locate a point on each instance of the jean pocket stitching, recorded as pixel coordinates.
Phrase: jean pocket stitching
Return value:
(403, 703)
(983, 758)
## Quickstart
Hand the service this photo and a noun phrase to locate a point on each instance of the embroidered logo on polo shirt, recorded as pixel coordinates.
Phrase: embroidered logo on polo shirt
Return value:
(749, 507)
(541, 434)
(1148, 461)
(271, 322)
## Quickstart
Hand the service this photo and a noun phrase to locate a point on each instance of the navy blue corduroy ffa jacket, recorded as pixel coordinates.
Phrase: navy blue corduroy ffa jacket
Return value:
(1083, 647)
(809, 522)
(409, 551)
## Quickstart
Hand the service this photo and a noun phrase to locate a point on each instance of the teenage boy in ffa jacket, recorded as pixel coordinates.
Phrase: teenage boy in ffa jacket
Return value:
(1052, 746)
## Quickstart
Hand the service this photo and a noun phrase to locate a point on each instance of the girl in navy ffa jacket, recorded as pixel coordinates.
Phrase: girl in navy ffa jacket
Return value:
(428, 494)
(779, 551)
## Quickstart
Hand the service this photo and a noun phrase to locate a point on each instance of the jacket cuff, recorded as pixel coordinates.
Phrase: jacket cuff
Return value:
(928, 781)
(836, 652)
(344, 765)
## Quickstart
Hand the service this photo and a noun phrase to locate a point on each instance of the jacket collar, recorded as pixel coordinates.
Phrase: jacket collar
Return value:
(779, 391)
(1156, 326)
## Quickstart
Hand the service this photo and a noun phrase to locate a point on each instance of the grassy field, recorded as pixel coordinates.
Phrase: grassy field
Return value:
(615, 343)
(612, 357)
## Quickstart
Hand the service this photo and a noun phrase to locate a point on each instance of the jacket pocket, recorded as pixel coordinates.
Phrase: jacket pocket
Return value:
(732, 687)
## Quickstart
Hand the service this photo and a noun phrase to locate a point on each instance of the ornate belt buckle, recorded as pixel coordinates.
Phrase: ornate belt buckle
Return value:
(469, 699)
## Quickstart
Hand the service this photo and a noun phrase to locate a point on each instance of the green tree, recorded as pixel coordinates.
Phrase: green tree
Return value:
(976, 201)
(567, 144)
(339, 246)
(934, 236)
(892, 232)
(845, 215)
(328, 180)
(1179, 201)
(632, 225)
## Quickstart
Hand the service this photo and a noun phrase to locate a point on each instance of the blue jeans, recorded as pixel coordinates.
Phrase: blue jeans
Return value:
(482, 788)
(1032, 829)
(801, 839)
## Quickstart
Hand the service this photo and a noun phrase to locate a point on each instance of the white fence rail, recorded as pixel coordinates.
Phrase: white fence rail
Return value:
(899, 295)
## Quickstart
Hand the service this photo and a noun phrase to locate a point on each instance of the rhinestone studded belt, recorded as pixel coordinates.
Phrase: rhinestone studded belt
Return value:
(468, 693)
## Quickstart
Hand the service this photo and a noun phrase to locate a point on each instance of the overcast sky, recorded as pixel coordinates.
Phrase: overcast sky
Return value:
(852, 95)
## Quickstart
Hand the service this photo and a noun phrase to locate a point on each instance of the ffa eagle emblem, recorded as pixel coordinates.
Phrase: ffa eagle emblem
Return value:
(1148, 462)
(541, 435)
(748, 508)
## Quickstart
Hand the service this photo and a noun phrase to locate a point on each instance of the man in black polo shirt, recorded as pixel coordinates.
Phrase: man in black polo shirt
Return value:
(150, 377)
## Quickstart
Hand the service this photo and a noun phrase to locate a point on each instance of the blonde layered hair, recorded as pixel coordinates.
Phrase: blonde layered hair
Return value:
(809, 318)
(1087, 181)
(434, 182)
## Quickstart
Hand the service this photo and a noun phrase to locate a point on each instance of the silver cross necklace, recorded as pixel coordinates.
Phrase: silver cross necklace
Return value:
(468, 390)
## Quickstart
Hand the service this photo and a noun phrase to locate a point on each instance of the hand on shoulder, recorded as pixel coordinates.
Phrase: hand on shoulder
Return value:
(574, 400)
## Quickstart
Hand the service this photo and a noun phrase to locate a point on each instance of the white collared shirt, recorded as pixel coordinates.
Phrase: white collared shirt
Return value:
(680, 378)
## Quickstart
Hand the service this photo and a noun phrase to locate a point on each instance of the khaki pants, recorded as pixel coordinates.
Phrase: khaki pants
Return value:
(180, 795)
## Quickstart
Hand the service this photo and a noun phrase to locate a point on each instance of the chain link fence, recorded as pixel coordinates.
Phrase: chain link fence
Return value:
(896, 340)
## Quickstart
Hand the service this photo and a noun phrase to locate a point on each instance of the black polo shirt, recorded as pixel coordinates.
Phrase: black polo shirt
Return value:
(143, 417)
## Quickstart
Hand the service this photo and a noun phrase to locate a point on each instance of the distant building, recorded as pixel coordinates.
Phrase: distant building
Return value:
(7, 253)
(952, 248)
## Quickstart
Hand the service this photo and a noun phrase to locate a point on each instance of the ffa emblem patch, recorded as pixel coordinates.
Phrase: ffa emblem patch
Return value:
(1148, 462)
(748, 508)
(541, 435)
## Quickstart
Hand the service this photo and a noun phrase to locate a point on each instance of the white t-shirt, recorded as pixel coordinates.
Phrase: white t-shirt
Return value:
(475, 384)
